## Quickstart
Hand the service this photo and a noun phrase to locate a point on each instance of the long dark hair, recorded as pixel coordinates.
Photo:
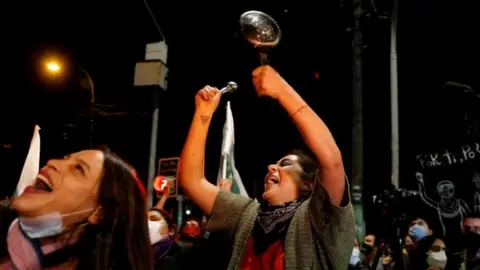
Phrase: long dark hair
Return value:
(120, 240)
(309, 172)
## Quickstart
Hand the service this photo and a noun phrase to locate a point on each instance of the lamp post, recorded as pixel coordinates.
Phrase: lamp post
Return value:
(55, 68)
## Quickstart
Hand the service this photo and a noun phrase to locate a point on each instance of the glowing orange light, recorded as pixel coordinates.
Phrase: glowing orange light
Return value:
(53, 67)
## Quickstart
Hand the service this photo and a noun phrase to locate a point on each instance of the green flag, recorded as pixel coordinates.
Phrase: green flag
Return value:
(227, 168)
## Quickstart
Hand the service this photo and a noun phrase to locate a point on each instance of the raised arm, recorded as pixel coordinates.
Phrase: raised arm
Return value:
(314, 131)
(423, 194)
(164, 197)
(191, 174)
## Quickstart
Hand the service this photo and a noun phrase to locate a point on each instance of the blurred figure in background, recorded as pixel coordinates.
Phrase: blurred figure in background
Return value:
(437, 256)
(190, 232)
(386, 260)
(166, 252)
(225, 185)
(369, 250)
(357, 260)
(212, 249)
(420, 234)
(472, 242)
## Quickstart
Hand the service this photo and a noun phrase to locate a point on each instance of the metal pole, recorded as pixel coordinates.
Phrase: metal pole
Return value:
(394, 95)
(179, 211)
(357, 121)
(153, 150)
(91, 110)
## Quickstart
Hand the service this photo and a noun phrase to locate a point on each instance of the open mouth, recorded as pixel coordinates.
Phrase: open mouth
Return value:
(41, 185)
(272, 180)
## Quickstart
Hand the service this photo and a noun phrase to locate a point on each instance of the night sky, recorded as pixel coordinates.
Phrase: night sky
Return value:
(437, 43)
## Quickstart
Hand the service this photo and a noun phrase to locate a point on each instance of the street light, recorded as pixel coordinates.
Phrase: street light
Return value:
(54, 68)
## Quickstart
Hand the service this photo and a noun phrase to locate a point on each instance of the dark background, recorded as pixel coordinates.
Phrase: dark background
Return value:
(437, 43)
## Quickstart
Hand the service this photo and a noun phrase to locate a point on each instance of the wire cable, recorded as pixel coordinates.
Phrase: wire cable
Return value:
(154, 21)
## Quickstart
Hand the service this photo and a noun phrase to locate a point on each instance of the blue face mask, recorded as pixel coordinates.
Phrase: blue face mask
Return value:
(355, 256)
(47, 225)
(419, 232)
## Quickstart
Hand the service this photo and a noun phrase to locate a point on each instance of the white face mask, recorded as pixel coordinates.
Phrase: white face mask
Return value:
(46, 225)
(154, 228)
(355, 256)
(437, 259)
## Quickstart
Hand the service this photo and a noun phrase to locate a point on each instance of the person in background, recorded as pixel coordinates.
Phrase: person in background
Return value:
(167, 253)
(162, 230)
(306, 218)
(357, 260)
(190, 232)
(225, 185)
(386, 260)
(472, 243)
(419, 230)
(215, 250)
(369, 249)
(85, 211)
(408, 242)
(421, 235)
(436, 256)
(407, 247)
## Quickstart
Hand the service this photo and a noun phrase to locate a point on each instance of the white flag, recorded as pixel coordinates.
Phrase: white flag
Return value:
(227, 168)
(32, 163)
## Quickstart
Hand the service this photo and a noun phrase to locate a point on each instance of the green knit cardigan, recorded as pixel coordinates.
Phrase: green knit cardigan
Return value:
(320, 236)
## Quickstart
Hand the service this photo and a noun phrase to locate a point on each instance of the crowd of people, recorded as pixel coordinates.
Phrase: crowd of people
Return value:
(422, 249)
(88, 210)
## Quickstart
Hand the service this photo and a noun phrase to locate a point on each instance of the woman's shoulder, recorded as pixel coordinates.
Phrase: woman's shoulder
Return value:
(227, 210)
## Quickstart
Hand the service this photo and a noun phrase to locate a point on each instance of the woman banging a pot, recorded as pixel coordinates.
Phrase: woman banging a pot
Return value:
(305, 220)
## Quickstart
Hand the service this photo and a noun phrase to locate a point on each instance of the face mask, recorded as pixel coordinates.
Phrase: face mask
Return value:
(192, 231)
(46, 225)
(472, 239)
(437, 259)
(355, 256)
(154, 228)
(366, 248)
(419, 232)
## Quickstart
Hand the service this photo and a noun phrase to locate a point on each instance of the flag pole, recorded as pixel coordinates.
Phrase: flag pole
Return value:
(224, 167)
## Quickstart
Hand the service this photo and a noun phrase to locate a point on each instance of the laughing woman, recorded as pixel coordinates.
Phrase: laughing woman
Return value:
(85, 211)
(306, 219)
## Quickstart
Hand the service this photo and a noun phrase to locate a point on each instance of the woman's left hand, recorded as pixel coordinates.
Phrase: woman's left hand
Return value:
(268, 82)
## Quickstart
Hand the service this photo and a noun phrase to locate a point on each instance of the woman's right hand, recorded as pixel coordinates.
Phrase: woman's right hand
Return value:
(207, 100)
(225, 185)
